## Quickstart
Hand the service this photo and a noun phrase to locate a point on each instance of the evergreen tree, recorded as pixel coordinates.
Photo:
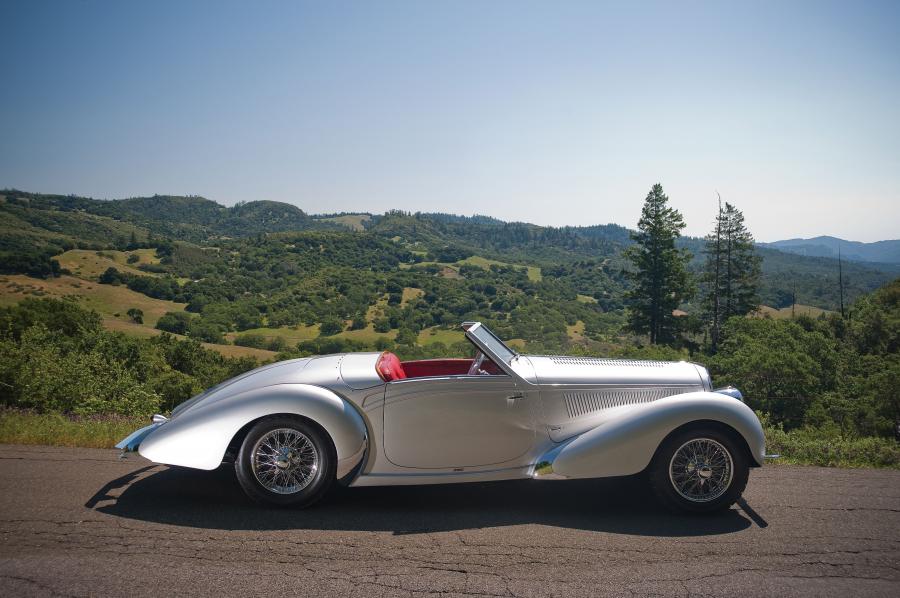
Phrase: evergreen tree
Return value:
(731, 274)
(743, 266)
(660, 275)
(711, 279)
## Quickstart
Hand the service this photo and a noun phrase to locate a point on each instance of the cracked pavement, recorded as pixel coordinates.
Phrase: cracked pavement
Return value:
(80, 522)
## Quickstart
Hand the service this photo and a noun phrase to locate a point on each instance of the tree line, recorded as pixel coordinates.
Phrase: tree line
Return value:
(661, 281)
(835, 373)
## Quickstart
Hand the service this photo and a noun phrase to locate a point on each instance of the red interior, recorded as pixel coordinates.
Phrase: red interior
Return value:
(390, 367)
(436, 367)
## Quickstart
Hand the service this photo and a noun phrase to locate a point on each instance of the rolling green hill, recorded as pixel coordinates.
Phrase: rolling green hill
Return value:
(262, 271)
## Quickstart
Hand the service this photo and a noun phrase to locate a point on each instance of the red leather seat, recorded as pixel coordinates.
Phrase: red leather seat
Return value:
(389, 367)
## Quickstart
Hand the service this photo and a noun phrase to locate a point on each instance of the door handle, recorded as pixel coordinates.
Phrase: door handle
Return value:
(511, 400)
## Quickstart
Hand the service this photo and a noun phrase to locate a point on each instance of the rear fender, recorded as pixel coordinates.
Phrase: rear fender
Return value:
(625, 445)
(199, 437)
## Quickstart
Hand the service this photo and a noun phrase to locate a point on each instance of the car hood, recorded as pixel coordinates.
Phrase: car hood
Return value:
(565, 370)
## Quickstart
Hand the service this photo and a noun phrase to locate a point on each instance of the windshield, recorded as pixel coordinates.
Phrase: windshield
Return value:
(493, 344)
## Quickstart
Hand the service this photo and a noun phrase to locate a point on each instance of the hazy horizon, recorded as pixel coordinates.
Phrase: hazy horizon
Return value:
(631, 226)
(556, 114)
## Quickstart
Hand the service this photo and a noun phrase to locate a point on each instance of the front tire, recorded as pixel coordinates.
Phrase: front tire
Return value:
(702, 470)
(286, 461)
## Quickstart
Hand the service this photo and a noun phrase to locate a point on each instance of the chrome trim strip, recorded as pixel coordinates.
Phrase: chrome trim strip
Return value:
(432, 474)
(131, 443)
(730, 391)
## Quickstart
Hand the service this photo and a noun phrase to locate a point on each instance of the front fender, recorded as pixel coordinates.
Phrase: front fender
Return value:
(199, 437)
(625, 445)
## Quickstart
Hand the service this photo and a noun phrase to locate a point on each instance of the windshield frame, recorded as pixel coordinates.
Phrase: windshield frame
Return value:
(490, 344)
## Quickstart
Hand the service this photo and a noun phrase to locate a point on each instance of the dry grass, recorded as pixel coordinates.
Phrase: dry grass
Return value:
(366, 335)
(430, 336)
(54, 429)
(237, 351)
(576, 332)
(351, 221)
(291, 335)
(90, 264)
(132, 329)
(410, 293)
(534, 273)
(109, 301)
(786, 313)
(516, 343)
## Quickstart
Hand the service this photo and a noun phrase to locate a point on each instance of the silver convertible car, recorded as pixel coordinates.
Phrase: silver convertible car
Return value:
(296, 427)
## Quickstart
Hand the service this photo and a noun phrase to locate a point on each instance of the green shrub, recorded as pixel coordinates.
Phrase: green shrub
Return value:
(48, 376)
(825, 446)
(331, 326)
(55, 357)
(176, 322)
(251, 339)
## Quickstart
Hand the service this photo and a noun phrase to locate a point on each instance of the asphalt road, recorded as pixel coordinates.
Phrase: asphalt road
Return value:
(79, 522)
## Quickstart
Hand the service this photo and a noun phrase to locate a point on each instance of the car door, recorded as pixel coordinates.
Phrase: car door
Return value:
(457, 421)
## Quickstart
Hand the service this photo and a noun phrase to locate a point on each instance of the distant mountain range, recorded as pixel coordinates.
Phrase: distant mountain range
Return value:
(879, 252)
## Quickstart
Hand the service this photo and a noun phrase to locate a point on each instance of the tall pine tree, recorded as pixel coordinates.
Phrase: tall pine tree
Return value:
(730, 279)
(660, 276)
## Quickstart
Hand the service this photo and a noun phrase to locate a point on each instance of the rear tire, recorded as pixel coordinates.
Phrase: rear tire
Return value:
(286, 462)
(702, 470)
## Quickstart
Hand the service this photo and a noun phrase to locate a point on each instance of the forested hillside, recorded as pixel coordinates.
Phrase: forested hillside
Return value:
(264, 280)
(267, 265)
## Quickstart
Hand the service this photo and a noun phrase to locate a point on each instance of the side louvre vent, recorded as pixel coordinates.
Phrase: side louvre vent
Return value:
(583, 403)
(595, 361)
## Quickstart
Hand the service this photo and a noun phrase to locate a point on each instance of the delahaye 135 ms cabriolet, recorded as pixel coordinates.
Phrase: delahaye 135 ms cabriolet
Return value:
(296, 427)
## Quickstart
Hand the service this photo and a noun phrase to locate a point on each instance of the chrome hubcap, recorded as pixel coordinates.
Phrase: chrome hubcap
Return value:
(285, 461)
(701, 470)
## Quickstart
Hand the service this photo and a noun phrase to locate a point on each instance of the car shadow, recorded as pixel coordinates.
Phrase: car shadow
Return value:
(213, 500)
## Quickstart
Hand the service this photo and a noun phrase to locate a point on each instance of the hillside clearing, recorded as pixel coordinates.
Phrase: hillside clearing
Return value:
(290, 334)
(111, 302)
(132, 329)
(435, 334)
(108, 300)
(789, 312)
(534, 273)
(576, 332)
(352, 221)
(90, 264)
(410, 293)
(451, 270)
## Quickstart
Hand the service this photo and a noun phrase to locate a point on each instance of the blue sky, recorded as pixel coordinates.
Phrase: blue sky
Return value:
(548, 112)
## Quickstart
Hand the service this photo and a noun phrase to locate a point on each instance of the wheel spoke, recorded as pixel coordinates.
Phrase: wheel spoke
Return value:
(701, 470)
(284, 461)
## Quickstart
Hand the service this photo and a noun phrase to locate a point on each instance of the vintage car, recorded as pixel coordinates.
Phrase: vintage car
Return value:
(296, 427)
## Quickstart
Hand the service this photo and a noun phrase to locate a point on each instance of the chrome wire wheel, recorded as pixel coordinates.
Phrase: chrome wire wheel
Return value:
(284, 461)
(701, 470)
